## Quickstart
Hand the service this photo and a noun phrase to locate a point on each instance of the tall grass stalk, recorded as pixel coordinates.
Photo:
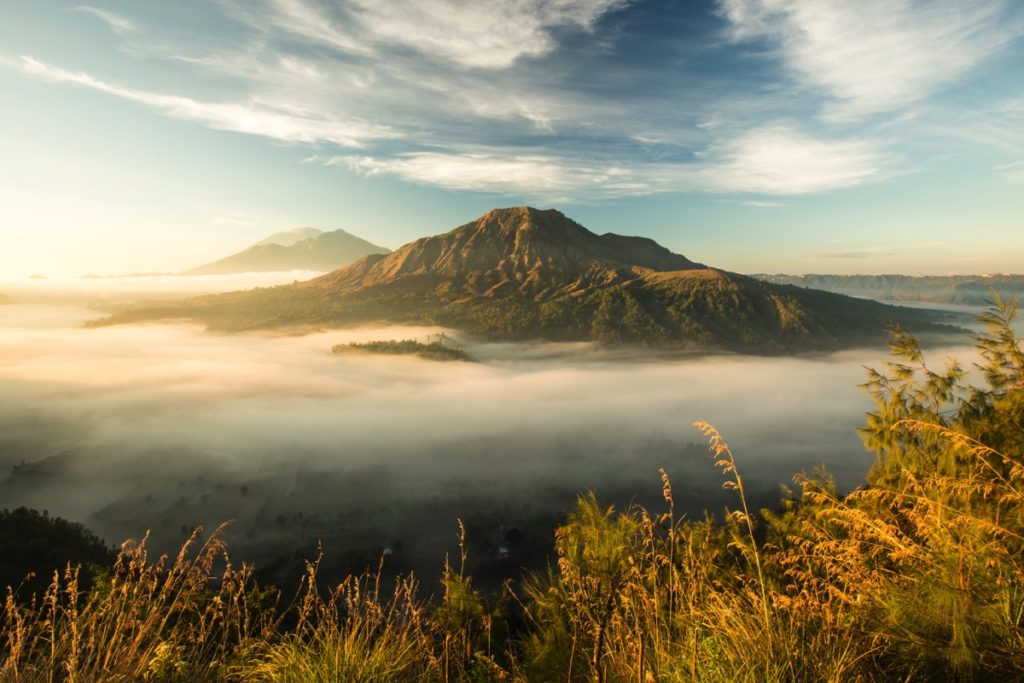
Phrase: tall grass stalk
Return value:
(727, 463)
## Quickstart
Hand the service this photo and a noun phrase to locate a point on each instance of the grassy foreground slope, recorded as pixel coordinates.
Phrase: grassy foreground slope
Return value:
(526, 274)
(917, 575)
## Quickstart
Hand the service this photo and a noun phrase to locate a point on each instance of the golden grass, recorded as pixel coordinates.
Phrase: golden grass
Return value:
(921, 582)
(151, 620)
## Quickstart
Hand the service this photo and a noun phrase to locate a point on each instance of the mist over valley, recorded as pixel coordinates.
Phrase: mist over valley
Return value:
(163, 427)
(252, 397)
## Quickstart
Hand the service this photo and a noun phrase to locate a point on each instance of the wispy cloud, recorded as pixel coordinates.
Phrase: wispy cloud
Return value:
(857, 254)
(281, 122)
(302, 20)
(876, 55)
(484, 97)
(773, 160)
(488, 34)
(757, 203)
(115, 21)
(1013, 172)
(781, 160)
(1012, 106)
(535, 175)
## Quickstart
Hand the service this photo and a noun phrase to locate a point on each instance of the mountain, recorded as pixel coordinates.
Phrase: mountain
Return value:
(5, 300)
(299, 249)
(521, 273)
(942, 289)
(287, 238)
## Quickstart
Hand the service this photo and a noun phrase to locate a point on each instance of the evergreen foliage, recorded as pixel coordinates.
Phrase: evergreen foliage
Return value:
(34, 545)
(435, 350)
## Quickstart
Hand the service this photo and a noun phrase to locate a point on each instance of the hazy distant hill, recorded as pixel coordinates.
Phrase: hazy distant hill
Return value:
(299, 249)
(522, 273)
(946, 289)
(4, 299)
(287, 238)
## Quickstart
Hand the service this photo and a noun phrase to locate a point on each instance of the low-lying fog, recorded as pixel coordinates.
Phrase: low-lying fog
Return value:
(164, 427)
(102, 291)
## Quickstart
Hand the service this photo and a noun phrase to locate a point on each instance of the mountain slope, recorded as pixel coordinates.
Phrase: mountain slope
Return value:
(300, 249)
(4, 299)
(526, 274)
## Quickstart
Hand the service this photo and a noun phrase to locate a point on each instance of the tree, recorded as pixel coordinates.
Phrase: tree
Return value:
(34, 545)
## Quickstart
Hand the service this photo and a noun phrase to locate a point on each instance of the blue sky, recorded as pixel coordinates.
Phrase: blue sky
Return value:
(754, 135)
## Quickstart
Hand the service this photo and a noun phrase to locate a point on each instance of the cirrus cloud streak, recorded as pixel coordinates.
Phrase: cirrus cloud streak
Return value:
(876, 55)
(770, 160)
(279, 122)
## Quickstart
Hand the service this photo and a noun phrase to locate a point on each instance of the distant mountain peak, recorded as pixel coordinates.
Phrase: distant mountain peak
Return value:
(298, 249)
(287, 238)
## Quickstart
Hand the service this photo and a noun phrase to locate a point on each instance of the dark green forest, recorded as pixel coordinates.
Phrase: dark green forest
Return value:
(434, 350)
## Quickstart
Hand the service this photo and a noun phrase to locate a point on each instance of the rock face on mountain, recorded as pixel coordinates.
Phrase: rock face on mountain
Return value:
(524, 251)
(300, 249)
(521, 273)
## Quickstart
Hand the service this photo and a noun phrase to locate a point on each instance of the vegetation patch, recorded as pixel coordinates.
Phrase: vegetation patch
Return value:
(434, 350)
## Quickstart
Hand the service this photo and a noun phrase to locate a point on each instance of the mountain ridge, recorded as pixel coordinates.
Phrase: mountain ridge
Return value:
(973, 290)
(523, 273)
(287, 238)
(520, 244)
(302, 249)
